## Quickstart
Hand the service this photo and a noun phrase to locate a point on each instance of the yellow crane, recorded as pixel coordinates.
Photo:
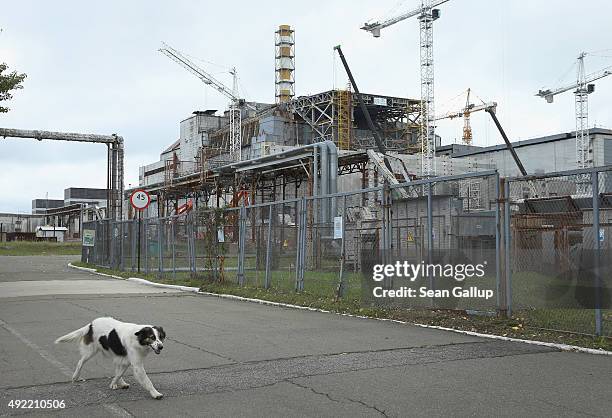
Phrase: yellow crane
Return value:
(465, 113)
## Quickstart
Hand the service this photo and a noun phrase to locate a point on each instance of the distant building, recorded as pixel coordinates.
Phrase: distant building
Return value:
(89, 196)
(57, 213)
(40, 206)
(547, 154)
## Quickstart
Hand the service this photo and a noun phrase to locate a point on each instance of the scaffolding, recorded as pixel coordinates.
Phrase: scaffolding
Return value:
(344, 118)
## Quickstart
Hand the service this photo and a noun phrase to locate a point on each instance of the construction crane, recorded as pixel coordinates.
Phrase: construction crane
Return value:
(427, 14)
(465, 113)
(582, 88)
(235, 136)
(381, 162)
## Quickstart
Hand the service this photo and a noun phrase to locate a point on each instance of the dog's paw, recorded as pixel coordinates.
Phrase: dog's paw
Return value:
(115, 386)
(80, 379)
(125, 386)
(157, 395)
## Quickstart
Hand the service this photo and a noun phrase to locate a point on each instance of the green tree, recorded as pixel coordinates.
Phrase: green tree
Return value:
(9, 82)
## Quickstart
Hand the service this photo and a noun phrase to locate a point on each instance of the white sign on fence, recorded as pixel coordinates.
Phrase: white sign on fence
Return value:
(89, 237)
(220, 234)
(337, 227)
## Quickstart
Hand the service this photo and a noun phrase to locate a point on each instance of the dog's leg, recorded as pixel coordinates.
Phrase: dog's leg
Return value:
(86, 354)
(118, 382)
(143, 379)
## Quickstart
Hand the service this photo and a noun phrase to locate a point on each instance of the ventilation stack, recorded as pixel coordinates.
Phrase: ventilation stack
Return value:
(285, 64)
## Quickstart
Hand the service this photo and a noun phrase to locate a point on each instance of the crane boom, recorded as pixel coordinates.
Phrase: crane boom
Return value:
(375, 27)
(362, 106)
(235, 115)
(582, 88)
(470, 109)
(206, 78)
(549, 93)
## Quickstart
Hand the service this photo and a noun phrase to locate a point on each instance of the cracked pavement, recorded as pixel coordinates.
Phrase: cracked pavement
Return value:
(231, 358)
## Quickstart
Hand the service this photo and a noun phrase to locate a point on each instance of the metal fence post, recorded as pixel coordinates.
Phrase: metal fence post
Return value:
(188, 238)
(172, 233)
(298, 219)
(501, 273)
(342, 289)
(430, 236)
(111, 244)
(134, 242)
(160, 246)
(303, 243)
(267, 279)
(241, 244)
(508, 240)
(193, 230)
(146, 244)
(497, 242)
(300, 244)
(596, 226)
(121, 231)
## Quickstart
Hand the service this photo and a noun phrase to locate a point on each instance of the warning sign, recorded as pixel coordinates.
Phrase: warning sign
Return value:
(89, 237)
(410, 237)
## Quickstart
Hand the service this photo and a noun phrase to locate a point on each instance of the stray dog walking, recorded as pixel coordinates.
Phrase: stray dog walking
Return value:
(127, 344)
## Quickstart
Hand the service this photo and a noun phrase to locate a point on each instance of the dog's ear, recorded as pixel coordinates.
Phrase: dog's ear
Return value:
(161, 332)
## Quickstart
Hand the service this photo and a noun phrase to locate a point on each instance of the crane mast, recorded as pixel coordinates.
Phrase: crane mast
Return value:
(427, 14)
(235, 136)
(467, 127)
(582, 88)
(428, 127)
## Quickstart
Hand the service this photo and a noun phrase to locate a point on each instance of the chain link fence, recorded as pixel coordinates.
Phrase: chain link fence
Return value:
(542, 242)
(558, 229)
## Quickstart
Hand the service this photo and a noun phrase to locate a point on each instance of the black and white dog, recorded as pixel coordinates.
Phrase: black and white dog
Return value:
(128, 344)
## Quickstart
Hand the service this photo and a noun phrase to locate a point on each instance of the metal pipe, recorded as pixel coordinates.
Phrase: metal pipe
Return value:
(326, 160)
(324, 182)
(333, 175)
(114, 173)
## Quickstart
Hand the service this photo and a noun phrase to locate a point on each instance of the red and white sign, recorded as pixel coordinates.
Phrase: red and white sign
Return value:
(140, 199)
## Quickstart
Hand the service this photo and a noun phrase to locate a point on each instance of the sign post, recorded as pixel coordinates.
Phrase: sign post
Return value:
(140, 200)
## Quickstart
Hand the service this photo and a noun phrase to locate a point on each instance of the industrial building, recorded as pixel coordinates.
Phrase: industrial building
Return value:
(274, 155)
(79, 204)
(42, 205)
(324, 143)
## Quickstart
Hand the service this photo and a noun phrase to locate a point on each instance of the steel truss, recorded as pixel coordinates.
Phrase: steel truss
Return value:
(398, 118)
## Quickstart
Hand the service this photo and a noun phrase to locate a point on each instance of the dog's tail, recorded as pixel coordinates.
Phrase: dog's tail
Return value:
(74, 335)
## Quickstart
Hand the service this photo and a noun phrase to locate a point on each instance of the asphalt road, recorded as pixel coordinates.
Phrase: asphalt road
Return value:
(230, 358)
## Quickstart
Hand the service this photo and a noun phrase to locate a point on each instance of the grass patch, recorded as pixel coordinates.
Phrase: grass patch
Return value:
(40, 248)
(319, 293)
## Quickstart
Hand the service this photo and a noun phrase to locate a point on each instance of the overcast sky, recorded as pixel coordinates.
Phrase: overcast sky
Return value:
(93, 67)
